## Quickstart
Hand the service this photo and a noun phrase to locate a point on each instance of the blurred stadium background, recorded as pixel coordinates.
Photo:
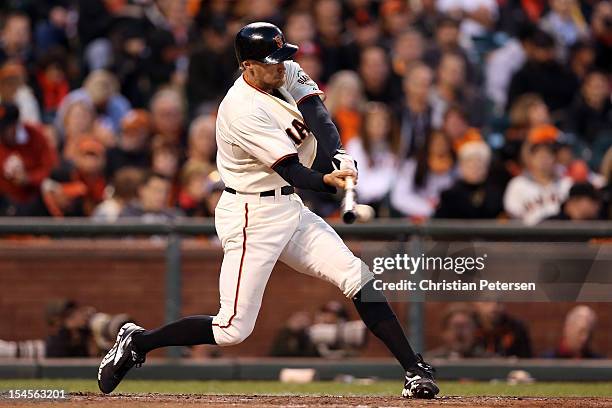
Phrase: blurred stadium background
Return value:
(496, 114)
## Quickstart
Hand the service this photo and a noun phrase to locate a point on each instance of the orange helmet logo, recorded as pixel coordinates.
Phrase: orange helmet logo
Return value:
(278, 40)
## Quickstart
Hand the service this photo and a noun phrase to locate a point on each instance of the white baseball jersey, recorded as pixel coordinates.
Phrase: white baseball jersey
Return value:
(532, 202)
(256, 129)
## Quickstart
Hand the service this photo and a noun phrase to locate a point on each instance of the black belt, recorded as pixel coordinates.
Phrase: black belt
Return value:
(285, 190)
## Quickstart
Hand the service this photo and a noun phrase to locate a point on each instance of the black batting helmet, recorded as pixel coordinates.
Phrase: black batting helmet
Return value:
(263, 42)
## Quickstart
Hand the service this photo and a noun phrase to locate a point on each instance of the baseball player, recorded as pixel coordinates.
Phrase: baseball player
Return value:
(269, 126)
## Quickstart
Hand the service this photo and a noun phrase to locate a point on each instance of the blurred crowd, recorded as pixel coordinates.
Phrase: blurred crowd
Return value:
(467, 330)
(452, 108)
(73, 330)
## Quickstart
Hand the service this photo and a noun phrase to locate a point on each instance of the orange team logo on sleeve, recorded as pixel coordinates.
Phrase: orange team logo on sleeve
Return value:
(278, 40)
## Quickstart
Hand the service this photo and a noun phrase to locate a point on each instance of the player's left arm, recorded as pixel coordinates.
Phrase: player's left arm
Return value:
(316, 116)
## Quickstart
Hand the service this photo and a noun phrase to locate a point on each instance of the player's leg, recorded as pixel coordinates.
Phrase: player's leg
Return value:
(253, 237)
(317, 250)
(243, 281)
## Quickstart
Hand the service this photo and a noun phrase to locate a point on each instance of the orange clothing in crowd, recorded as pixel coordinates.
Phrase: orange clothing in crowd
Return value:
(471, 135)
(349, 123)
(38, 159)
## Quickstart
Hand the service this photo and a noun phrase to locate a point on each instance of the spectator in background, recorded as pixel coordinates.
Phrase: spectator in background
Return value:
(211, 67)
(428, 18)
(60, 199)
(395, 16)
(77, 185)
(565, 23)
(70, 335)
(446, 40)
(538, 192)
(328, 23)
(581, 59)
(456, 128)
(344, 100)
(125, 185)
(101, 90)
(602, 34)
(499, 333)
(583, 203)
(13, 88)
(450, 88)
(165, 161)
(416, 110)
(263, 10)
(543, 75)
(152, 202)
(202, 146)
(299, 27)
(421, 179)
(408, 49)
(375, 72)
(130, 58)
(502, 63)
(591, 113)
(26, 159)
(293, 340)
(170, 29)
(51, 31)
(168, 115)
(527, 112)
(15, 40)
(195, 189)
(459, 330)
(577, 338)
(52, 83)
(80, 119)
(376, 152)
(365, 32)
(472, 196)
(95, 21)
(478, 17)
(133, 145)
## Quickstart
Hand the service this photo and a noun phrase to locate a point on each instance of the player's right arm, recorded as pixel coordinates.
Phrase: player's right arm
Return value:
(296, 174)
(257, 135)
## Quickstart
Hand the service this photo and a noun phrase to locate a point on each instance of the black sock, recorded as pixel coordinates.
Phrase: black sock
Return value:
(380, 319)
(188, 331)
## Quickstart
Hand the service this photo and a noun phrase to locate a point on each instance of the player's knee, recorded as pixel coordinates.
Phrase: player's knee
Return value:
(357, 274)
(233, 335)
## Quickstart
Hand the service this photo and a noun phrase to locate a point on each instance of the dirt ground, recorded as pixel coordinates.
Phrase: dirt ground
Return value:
(191, 400)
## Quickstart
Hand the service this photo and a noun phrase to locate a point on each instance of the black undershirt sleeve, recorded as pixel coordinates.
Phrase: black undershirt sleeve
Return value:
(319, 122)
(296, 174)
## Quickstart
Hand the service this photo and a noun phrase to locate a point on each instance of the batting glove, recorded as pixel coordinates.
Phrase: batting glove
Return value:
(343, 161)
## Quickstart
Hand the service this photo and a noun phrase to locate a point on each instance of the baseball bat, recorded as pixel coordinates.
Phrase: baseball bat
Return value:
(348, 205)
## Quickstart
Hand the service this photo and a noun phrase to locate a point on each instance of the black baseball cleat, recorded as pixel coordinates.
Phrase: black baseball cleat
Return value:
(420, 381)
(119, 359)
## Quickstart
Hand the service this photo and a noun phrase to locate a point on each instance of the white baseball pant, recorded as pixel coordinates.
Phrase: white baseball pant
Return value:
(256, 232)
